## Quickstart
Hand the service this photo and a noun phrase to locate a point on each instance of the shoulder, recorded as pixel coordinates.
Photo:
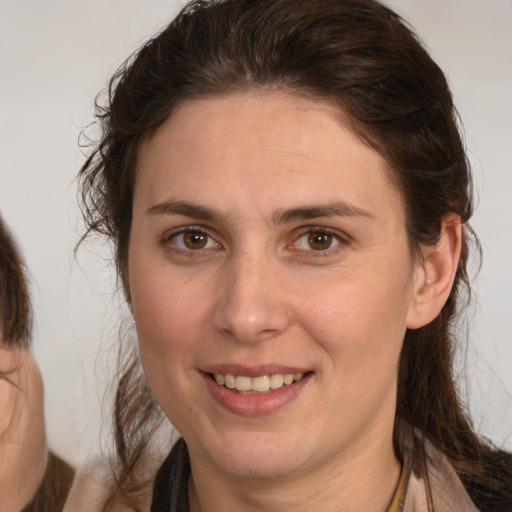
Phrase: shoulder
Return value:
(91, 488)
(436, 487)
(447, 489)
(94, 490)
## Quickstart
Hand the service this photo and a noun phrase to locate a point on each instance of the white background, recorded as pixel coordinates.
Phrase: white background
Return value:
(55, 56)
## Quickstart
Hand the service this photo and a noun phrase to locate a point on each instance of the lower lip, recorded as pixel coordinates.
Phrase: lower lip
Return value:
(255, 405)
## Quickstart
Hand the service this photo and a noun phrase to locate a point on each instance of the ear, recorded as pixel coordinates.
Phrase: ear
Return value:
(434, 274)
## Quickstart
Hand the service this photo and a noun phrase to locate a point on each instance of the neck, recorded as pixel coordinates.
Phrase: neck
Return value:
(363, 480)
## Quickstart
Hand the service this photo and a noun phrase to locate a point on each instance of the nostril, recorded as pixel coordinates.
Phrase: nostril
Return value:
(251, 323)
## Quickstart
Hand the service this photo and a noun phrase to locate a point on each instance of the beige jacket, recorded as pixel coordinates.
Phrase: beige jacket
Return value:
(446, 493)
(93, 487)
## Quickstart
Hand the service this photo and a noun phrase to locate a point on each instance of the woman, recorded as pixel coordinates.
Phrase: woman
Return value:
(31, 479)
(288, 196)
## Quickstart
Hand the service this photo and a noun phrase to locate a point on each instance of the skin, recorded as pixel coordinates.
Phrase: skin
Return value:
(259, 293)
(23, 451)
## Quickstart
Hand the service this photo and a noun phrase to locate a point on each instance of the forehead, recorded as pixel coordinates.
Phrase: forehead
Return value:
(253, 142)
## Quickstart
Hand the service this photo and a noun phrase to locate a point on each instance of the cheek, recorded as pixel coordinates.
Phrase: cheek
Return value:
(162, 301)
(164, 324)
(170, 320)
(360, 321)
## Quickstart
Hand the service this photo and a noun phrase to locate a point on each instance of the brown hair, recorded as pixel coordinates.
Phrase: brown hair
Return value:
(362, 57)
(15, 331)
(54, 489)
(15, 313)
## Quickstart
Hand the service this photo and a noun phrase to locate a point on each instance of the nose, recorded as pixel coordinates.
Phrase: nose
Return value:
(251, 305)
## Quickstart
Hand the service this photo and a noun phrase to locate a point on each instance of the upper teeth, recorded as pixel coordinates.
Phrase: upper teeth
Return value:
(260, 384)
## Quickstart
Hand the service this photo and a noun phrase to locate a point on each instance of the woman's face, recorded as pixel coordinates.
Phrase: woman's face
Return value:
(268, 252)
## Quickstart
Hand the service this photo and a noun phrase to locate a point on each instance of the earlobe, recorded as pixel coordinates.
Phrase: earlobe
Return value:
(435, 274)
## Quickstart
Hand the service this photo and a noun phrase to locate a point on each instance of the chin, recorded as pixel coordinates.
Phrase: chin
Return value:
(259, 456)
(259, 468)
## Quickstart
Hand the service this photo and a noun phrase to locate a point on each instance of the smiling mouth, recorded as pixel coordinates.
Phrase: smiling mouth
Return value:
(256, 385)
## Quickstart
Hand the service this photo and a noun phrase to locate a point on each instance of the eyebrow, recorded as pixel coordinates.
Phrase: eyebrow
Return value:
(313, 211)
(336, 209)
(186, 209)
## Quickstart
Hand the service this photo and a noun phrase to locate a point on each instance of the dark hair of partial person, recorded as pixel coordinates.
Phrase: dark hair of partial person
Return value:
(15, 311)
(53, 491)
(364, 60)
(15, 331)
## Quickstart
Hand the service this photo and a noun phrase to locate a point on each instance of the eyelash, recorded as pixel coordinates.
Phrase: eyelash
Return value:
(340, 238)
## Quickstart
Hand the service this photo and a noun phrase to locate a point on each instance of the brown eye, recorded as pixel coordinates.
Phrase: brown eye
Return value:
(195, 240)
(190, 240)
(320, 241)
